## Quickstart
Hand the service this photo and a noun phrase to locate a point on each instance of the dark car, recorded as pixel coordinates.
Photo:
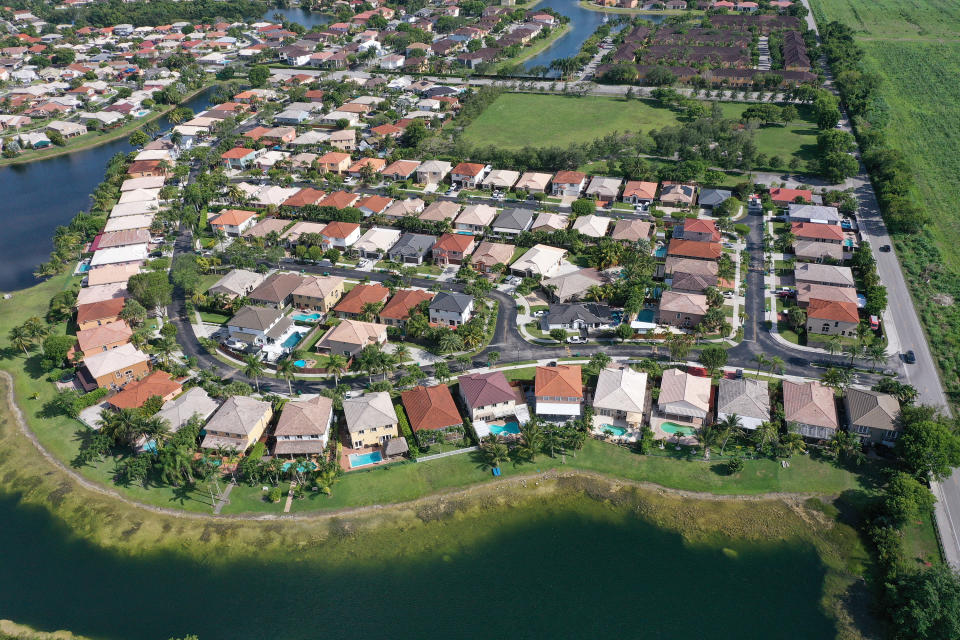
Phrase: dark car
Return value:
(885, 248)
(910, 357)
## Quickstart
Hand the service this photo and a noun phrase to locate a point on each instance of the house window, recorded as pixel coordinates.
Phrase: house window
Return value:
(861, 429)
(826, 328)
(890, 436)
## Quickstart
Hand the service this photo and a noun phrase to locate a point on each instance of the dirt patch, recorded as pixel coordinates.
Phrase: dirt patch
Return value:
(943, 299)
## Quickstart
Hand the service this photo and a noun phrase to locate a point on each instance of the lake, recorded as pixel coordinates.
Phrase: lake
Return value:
(563, 567)
(39, 196)
(308, 19)
(583, 22)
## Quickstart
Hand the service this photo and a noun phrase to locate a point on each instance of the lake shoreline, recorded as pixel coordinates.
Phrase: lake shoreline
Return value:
(456, 493)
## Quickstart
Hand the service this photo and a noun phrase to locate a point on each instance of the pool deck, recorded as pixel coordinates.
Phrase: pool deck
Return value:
(348, 451)
(597, 428)
(660, 434)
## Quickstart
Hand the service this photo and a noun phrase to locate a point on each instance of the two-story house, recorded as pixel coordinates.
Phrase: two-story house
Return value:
(451, 309)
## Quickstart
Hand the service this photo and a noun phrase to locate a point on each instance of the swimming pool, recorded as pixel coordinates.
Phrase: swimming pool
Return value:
(307, 317)
(615, 431)
(300, 363)
(645, 316)
(363, 459)
(673, 428)
(292, 341)
(83, 267)
(301, 468)
(501, 429)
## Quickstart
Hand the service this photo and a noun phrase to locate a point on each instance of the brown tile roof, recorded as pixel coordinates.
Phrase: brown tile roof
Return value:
(431, 408)
(233, 217)
(403, 301)
(339, 199)
(562, 381)
(569, 177)
(135, 394)
(100, 310)
(276, 287)
(360, 295)
(305, 417)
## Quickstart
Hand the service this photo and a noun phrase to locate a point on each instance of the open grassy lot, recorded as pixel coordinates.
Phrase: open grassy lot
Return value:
(893, 19)
(516, 120)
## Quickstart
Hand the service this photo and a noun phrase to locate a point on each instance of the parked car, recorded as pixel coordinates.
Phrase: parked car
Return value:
(885, 248)
(910, 357)
(576, 340)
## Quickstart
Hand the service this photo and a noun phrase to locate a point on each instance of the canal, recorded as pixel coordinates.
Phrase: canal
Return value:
(39, 196)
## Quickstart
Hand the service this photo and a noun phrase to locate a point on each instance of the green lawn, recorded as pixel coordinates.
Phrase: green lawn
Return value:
(515, 120)
(890, 19)
(400, 482)
(214, 318)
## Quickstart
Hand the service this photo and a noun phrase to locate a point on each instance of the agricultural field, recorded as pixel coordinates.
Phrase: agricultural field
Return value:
(915, 49)
(517, 120)
(893, 19)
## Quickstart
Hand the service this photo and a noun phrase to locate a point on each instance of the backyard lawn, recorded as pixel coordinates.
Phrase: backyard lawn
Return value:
(515, 120)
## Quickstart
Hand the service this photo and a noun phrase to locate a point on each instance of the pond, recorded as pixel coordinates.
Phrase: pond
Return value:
(300, 16)
(39, 196)
(563, 567)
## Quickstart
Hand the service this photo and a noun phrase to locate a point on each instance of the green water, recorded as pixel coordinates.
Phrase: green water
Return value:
(565, 568)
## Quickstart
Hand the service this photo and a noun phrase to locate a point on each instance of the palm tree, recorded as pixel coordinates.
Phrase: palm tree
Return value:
(450, 341)
(370, 310)
(492, 358)
(834, 345)
(532, 433)
(120, 426)
(495, 452)
(336, 364)
(836, 379)
(253, 368)
(463, 360)
(766, 434)
(761, 360)
(20, 338)
(792, 443)
(709, 436)
(287, 370)
(36, 328)
(877, 353)
(729, 427)
(776, 364)
(401, 352)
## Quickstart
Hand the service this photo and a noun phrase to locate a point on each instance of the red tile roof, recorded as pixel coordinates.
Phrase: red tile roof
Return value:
(816, 231)
(360, 295)
(780, 194)
(431, 408)
(699, 225)
(339, 229)
(100, 310)
(561, 381)
(403, 301)
(339, 199)
(135, 394)
(569, 177)
(458, 242)
(236, 153)
(694, 249)
(304, 197)
(833, 310)
(471, 169)
(483, 389)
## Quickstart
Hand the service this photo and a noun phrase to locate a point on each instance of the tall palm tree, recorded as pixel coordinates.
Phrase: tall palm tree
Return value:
(776, 364)
(729, 427)
(709, 436)
(370, 310)
(401, 352)
(36, 328)
(834, 345)
(20, 338)
(761, 360)
(793, 443)
(336, 364)
(253, 368)
(287, 370)
(450, 341)
(877, 353)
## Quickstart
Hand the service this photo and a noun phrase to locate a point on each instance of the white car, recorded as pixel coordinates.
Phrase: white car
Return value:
(576, 340)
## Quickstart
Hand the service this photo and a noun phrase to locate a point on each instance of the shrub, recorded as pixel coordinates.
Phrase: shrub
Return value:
(275, 494)
(735, 466)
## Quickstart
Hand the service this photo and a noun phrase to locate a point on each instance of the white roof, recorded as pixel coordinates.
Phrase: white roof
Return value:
(117, 255)
(592, 225)
(149, 196)
(621, 389)
(502, 178)
(101, 364)
(377, 239)
(101, 292)
(133, 209)
(541, 258)
(150, 182)
(128, 222)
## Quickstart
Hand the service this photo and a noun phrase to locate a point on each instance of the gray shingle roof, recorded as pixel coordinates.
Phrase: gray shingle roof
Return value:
(412, 245)
(518, 218)
(451, 301)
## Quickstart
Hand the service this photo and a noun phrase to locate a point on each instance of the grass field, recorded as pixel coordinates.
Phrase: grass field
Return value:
(915, 48)
(516, 120)
(893, 19)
